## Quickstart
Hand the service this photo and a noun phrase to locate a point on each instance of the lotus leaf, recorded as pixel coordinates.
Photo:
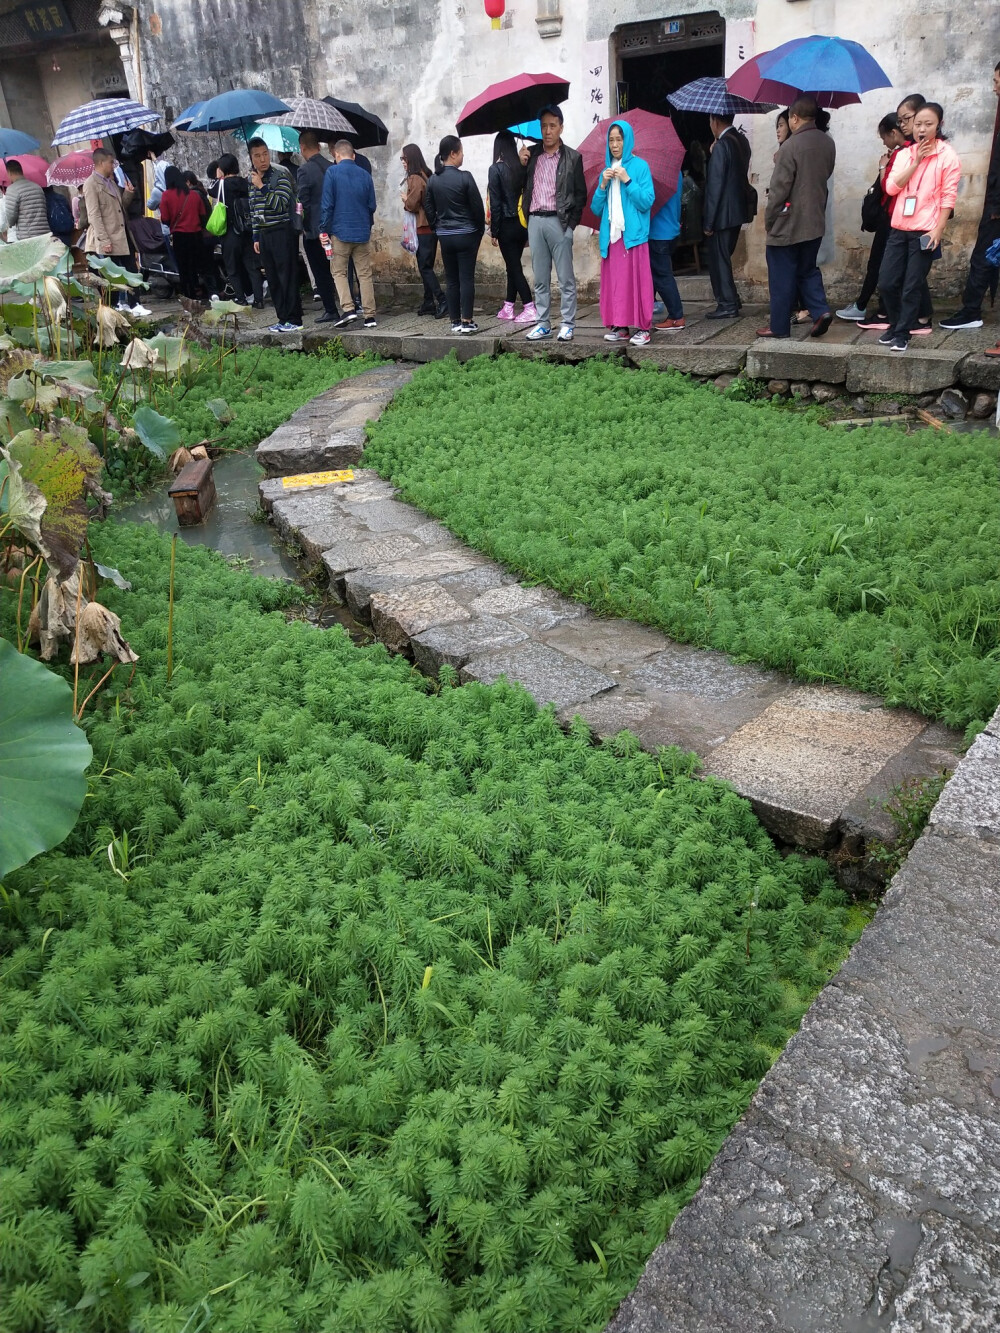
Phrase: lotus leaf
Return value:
(174, 353)
(24, 262)
(18, 314)
(115, 275)
(220, 409)
(222, 310)
(158, 433)
(43, 759)
(64, 467)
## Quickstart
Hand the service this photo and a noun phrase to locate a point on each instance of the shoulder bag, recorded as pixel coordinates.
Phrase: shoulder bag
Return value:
(217, 219)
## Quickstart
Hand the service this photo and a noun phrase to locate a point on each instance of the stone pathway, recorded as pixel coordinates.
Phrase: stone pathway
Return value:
(816, 762)
(861, 1189)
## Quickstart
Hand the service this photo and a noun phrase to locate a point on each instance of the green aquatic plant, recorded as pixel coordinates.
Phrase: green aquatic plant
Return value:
(355, 1003)
(868, 559)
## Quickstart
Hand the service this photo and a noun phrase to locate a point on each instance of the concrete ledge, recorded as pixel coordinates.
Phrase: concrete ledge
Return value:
(791, 359)
(861, 1189)
(433, 348)
(916, 371)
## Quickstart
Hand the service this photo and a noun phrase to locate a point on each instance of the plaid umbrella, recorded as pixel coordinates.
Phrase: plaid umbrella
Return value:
(108, 115)
(309, 113)
(71, 169)
(712, 97)
(656, 141)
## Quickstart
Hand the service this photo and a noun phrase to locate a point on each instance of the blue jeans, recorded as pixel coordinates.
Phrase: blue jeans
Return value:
(664, 282)
(791, 270)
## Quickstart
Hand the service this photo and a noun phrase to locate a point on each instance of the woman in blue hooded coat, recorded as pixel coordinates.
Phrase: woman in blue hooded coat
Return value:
(623, 200)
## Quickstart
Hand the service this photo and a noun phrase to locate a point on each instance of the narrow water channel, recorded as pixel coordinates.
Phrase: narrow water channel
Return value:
(232, 529)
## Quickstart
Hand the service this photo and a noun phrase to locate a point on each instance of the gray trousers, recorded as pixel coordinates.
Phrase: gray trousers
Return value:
(551, 243)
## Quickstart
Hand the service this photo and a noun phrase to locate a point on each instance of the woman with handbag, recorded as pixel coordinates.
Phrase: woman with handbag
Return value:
(242, 266)
(418, 234)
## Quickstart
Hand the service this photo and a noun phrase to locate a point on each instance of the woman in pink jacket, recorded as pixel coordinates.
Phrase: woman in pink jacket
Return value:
(924, 182)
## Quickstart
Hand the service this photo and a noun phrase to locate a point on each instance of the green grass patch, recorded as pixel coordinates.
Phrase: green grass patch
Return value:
(867, 558)
(353, 1003)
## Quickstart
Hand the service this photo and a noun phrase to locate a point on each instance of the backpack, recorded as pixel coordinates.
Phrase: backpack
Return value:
(60, 214)
(872, 211)
(752, 201)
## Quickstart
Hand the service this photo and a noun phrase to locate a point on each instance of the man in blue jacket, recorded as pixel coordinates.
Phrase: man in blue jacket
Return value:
(346, 217)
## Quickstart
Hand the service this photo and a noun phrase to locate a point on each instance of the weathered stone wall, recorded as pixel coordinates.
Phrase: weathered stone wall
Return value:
(417, 64)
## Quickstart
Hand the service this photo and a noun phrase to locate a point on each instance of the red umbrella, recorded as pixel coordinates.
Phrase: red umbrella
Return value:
(71, 169)
(34, 168)
(509, 102)
(655, 140)
(750, 82)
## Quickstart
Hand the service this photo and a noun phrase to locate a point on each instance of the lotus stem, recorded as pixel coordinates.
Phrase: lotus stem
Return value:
(22, 644)
(76, 634)
(170, 610)
(90, 696)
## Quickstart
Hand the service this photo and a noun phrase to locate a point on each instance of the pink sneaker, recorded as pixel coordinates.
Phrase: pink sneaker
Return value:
(506, 311)
(528, 315)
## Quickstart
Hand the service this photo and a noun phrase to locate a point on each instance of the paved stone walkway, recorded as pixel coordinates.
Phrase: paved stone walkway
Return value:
(861, 1189)
(845, 357)
(816, 762)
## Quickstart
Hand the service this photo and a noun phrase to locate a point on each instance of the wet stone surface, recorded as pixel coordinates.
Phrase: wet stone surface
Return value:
(548, 676)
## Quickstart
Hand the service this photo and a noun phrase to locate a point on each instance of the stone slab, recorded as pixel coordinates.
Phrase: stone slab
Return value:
(398, 616)
(981, 372)
(970, 802)
(549, 676)
(385, 515)
(706, 359)
(433, 348)
(302, 509)
(454, 644)
(470, 584)
(381, 343)
(916, 371)
(680, 669)
(803, 759)
(359, 584)
(435, 534)
(307, 452)
(786, 359)
(432, 564)
(363, 552)
(609, 645)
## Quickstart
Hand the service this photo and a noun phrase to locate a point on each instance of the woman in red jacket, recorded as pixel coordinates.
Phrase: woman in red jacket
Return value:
(185, 212)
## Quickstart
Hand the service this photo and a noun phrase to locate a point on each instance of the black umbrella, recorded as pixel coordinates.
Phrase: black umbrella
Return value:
(370, 131)
(137, 143)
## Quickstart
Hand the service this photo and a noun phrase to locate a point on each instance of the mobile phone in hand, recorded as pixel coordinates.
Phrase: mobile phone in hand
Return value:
(926, 242)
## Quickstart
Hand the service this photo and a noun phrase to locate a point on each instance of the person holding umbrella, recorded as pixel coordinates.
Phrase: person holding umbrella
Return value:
(505, 182)
(555, 194)
(107, 233)
(623, 200)
(309, 180)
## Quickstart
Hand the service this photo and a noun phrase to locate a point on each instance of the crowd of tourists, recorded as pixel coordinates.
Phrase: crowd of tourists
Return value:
(324, 209)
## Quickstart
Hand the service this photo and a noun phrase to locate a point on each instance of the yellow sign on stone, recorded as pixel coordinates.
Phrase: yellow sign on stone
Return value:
(304, 479)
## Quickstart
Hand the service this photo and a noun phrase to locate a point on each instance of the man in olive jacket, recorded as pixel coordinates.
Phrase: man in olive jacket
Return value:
(795, 220)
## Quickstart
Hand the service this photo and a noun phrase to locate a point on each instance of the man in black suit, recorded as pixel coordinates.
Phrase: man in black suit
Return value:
(726, 209)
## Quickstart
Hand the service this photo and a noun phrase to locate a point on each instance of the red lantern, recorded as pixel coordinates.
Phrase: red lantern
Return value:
(494, 10)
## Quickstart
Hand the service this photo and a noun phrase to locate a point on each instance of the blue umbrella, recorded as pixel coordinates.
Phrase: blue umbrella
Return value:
(184, 120)
(823, 65)
(107, 115)
(279, 138)
(528, 129)
(231, 111)
(13, 142)
(713, 98)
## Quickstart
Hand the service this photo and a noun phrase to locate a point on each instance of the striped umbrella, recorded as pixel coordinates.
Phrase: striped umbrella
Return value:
(107, 115)
(309, 113)
(71, 169)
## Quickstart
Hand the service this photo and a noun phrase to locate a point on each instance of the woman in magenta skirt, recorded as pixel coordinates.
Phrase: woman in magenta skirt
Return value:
(623, 200)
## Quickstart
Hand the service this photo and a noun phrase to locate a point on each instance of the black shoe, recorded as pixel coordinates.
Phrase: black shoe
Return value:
(425, 309)
(442, 309)
(327, 318)
(344, 320)
(371, 322)
(821, 325)
(257, 305)
(719, 313)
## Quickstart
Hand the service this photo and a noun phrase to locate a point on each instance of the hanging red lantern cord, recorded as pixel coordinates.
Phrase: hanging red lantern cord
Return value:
(494, 10)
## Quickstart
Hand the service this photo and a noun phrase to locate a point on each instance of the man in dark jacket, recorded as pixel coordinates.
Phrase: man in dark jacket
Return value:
(309, 181)
(724, 212)
(980, 273)
(555, 194)
(795, 220)
(275, 239)
(347, 213)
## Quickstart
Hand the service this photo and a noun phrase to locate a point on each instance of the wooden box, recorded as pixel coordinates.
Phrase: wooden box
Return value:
(193, 492)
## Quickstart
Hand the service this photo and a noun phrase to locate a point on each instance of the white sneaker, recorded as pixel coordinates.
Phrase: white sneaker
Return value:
(141, 312)
(640, 339)
(538, 332)
(616, 336)
(124, 307)
(457, 329)
(853, 312)
(565, 334)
